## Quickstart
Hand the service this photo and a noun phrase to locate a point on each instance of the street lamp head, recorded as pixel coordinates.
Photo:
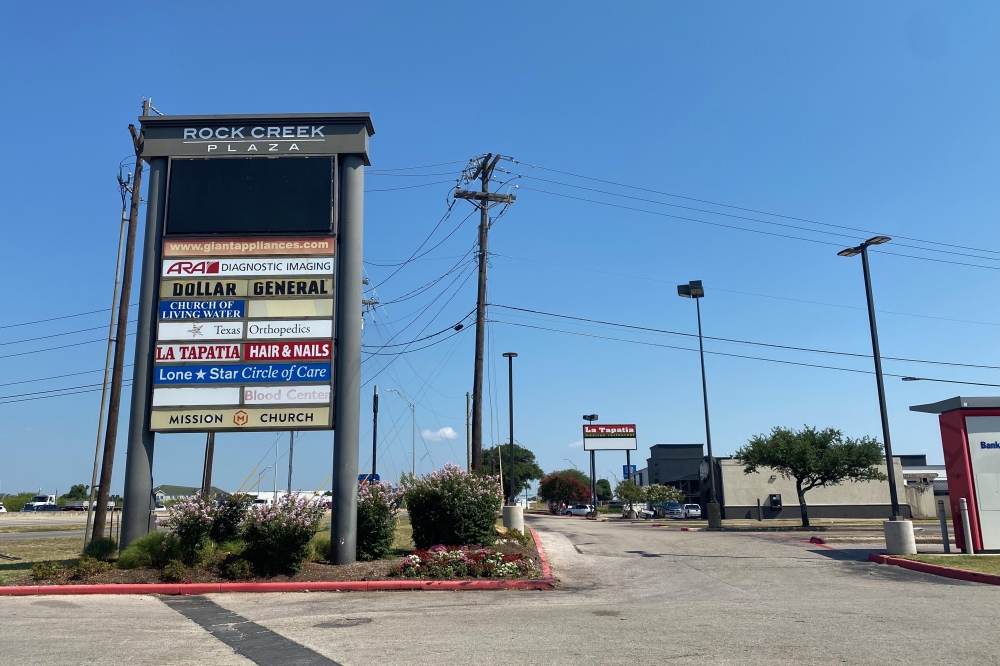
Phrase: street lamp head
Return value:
(692, 289)
(590, 417)
(877, 240)
(850, 252)
(510, 354)
(911, 379)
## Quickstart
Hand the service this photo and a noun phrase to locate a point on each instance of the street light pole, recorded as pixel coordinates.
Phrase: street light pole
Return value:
(695, 290)
(510, 356)
(863, 251)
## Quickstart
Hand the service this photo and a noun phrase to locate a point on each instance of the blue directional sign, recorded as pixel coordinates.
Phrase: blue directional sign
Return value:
(212, 309)
(625, 471)
(367, 478)
(250, 373)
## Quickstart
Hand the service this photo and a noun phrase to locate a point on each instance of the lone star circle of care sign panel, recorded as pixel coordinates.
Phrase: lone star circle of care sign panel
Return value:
(244, 337)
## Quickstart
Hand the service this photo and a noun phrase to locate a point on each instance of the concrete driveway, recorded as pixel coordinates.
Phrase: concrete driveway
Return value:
(629, 593)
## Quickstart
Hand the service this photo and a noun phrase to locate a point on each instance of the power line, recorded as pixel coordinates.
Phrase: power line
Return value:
(425, 166)
(718, 353)
(753, 219)
(747, 293)
(69, 316)
(409, 187)
(754, 231)
(750, 210)
(743, 342)
(56, 335)
(71, 374)
(47, 349)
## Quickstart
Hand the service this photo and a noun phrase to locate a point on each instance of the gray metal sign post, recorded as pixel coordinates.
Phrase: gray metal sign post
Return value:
(347, 347)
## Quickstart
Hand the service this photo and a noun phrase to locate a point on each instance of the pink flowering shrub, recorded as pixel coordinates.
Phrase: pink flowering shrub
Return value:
(377, 506)
(191, 522)
(453, 507)
(464, 562)
(278, 535)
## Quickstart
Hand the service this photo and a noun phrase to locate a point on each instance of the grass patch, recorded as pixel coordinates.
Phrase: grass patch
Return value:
(66, 551)
(989, 564)
(403, 541)
(17, 529)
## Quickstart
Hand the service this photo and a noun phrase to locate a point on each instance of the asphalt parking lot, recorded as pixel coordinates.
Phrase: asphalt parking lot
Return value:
(628, 593)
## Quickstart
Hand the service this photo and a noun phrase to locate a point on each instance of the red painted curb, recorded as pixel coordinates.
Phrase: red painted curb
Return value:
(936, 569)
(545, 583)
(546, 569)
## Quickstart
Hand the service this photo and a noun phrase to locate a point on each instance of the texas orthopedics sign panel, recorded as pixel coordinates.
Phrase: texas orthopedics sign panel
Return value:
(244, 336)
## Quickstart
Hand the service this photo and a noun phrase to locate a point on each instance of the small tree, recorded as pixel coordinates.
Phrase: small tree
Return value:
(560, 488)
(604, 490)
(814, 458)
(627, 491)
(526, 469)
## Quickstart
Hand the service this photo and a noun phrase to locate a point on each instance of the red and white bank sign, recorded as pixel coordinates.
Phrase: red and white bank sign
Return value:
(605, 437)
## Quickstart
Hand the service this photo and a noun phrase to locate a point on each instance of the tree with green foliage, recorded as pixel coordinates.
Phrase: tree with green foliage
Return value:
(627, 491)
(76, 493)
(604, 490)
(657, 494)
(576, 474)
(526, 469)
(814, 458)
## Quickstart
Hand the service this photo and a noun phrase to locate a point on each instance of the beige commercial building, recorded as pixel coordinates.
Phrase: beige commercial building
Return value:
(869, 499)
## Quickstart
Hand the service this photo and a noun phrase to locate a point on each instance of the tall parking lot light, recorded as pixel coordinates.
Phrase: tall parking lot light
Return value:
(695, 290)
(863, 251)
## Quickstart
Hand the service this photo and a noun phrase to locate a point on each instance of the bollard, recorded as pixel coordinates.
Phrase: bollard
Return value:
(759, 516)
(966, 528)
(944, 527)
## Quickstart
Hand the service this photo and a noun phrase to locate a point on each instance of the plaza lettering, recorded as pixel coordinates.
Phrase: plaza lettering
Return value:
(231, 133)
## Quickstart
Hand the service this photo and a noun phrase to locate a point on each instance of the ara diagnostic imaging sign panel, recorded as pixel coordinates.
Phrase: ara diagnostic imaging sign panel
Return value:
(244, 335)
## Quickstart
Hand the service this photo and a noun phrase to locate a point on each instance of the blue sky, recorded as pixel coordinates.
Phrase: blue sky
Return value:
(877, 117)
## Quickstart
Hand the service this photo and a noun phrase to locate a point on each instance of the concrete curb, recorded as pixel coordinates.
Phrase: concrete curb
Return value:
(545, 583)
(936, 569)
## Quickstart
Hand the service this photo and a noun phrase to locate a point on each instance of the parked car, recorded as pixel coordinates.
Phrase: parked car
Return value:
(671, 509)
(3, 509)
(159, 508)
(577, 510)
(692, 511)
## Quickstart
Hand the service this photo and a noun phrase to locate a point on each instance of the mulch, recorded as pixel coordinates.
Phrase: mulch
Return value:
(310, 572)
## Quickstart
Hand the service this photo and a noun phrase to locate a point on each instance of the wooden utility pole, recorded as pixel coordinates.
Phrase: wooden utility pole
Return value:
(121, 337)
(483, 199)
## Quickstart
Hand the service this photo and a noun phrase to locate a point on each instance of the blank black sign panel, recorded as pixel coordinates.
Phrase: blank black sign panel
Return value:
(250, 195)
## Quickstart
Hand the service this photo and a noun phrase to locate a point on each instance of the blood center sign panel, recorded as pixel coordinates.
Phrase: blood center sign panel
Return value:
(244, 336)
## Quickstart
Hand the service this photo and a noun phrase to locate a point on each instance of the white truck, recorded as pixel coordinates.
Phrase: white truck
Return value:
(42, 503)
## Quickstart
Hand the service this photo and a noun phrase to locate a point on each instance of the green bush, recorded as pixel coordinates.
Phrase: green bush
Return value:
(233, 547)
(89, 566)
(104, 548)
(153, 550)
(453, 508)
(175, 572)
(228, 517)
(191, 522)
(46, 570)
(278, 536)
(377, 505)
(14, 503)
(523, 538)
(236, 568)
